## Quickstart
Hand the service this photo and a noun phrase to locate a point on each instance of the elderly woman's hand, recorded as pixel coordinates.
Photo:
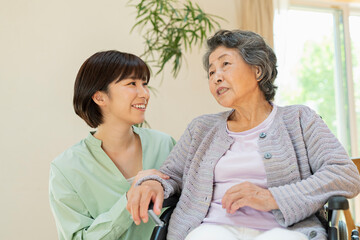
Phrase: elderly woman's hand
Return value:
(250, 195)
(148, 172)
(139, 198)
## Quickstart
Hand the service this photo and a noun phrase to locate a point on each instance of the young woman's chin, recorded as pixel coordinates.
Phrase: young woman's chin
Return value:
(138, 121)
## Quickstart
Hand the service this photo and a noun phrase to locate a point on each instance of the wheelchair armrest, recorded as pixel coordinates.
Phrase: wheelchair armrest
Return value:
(338, 203)
(160, 231)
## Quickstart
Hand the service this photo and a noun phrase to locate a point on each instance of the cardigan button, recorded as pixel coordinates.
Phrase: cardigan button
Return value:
(313, 234)
(262, 135)
(267, 155)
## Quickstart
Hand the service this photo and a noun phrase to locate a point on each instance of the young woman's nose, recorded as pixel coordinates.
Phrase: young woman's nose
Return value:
(143, 91)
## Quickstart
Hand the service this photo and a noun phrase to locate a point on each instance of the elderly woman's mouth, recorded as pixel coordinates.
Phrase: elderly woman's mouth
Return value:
(221, 90)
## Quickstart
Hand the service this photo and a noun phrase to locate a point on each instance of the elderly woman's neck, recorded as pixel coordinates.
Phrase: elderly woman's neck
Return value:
(248, 115)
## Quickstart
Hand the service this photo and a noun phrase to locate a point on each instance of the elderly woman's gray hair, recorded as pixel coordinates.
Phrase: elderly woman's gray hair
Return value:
(253, 49)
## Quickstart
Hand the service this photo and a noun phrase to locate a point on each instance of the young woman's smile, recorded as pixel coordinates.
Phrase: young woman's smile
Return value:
(127, 100)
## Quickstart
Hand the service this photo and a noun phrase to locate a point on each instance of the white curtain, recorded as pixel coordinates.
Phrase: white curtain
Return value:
(280, 28)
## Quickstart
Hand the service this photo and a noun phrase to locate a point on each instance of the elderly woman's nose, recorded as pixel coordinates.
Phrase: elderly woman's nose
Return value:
(217, 78)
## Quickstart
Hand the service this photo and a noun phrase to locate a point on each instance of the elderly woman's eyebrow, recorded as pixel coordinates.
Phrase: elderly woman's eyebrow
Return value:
(223, 55)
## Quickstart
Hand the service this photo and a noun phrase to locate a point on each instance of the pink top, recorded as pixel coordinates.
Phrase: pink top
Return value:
(242, 162)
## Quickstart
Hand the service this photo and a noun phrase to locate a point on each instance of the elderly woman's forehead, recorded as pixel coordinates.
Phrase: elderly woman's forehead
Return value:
(222, 51)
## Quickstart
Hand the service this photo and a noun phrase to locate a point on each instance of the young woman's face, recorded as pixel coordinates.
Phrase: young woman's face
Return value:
(126, 101)
(231, 79)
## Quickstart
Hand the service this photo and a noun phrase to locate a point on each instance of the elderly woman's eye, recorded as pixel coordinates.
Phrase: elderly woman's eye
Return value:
(226, 63)
(211, 73)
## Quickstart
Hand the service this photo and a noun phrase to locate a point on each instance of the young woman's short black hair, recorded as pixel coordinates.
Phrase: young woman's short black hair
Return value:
(96, 73)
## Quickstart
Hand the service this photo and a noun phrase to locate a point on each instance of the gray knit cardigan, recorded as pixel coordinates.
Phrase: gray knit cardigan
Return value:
(305, 164)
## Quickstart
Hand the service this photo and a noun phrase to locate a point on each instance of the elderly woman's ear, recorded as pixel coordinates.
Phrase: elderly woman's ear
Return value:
(258, 73)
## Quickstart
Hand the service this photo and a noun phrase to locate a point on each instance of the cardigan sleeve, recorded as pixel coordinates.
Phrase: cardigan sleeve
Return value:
(333, 173)
(174, 166)
(73, 221)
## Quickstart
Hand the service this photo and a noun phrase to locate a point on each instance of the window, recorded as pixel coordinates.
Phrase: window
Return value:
(318, 49)
(354, 24)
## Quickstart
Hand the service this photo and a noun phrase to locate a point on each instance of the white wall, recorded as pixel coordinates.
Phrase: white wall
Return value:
(42, 45)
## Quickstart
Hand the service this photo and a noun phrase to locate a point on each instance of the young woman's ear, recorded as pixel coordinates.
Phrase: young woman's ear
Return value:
(99, 98)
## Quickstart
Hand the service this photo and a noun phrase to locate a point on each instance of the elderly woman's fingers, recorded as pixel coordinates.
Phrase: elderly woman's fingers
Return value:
(133, 205)
(248, 194)
(151, 191)
(148, 172)
(231, 195)
(144, 205)
(158, 202)
(235, 201)
(139, 198)
(236, 205)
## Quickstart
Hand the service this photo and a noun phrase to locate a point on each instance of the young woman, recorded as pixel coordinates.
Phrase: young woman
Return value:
(89, 181)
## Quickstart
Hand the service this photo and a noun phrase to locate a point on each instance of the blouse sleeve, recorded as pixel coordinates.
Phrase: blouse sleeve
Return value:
(73, 221)
(173, 166)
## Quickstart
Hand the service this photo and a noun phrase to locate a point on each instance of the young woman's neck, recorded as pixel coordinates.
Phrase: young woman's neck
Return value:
(115, 138)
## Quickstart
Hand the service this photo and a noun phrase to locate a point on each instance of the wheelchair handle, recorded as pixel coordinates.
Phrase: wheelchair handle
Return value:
(355, 235)
(169, 202)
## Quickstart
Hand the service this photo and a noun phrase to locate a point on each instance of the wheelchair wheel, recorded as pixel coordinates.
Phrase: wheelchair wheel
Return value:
(342, 231)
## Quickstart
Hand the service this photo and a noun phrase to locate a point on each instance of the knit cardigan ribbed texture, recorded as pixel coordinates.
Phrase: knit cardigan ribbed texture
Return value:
(305, 164)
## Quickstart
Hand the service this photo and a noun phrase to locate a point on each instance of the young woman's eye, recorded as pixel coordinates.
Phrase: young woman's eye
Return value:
(145, 83)
(132, 83)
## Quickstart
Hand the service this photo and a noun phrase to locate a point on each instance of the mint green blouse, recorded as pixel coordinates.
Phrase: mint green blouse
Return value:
(88, 192)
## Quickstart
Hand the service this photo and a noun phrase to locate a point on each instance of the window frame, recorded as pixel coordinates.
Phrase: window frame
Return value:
(347, 10)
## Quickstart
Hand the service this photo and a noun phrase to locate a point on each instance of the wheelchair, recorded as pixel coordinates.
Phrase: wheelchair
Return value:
(337, 229)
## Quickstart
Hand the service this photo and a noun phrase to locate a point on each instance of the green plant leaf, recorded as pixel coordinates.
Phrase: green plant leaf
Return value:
(169, 29)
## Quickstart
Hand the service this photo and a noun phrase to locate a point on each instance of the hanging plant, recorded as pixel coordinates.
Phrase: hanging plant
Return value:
(169, 28)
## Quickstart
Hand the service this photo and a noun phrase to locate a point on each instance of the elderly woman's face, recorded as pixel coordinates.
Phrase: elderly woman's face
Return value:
(231, 80)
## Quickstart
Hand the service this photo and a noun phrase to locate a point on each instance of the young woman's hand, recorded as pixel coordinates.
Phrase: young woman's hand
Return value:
(250, 195)
(139, 198)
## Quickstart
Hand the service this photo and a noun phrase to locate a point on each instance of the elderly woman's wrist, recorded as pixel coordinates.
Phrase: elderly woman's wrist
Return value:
(152, 182)
(271, 201)
(157, 179)
(148, 178)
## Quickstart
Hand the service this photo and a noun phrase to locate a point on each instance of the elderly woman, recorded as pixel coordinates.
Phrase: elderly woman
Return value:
(259, 171)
